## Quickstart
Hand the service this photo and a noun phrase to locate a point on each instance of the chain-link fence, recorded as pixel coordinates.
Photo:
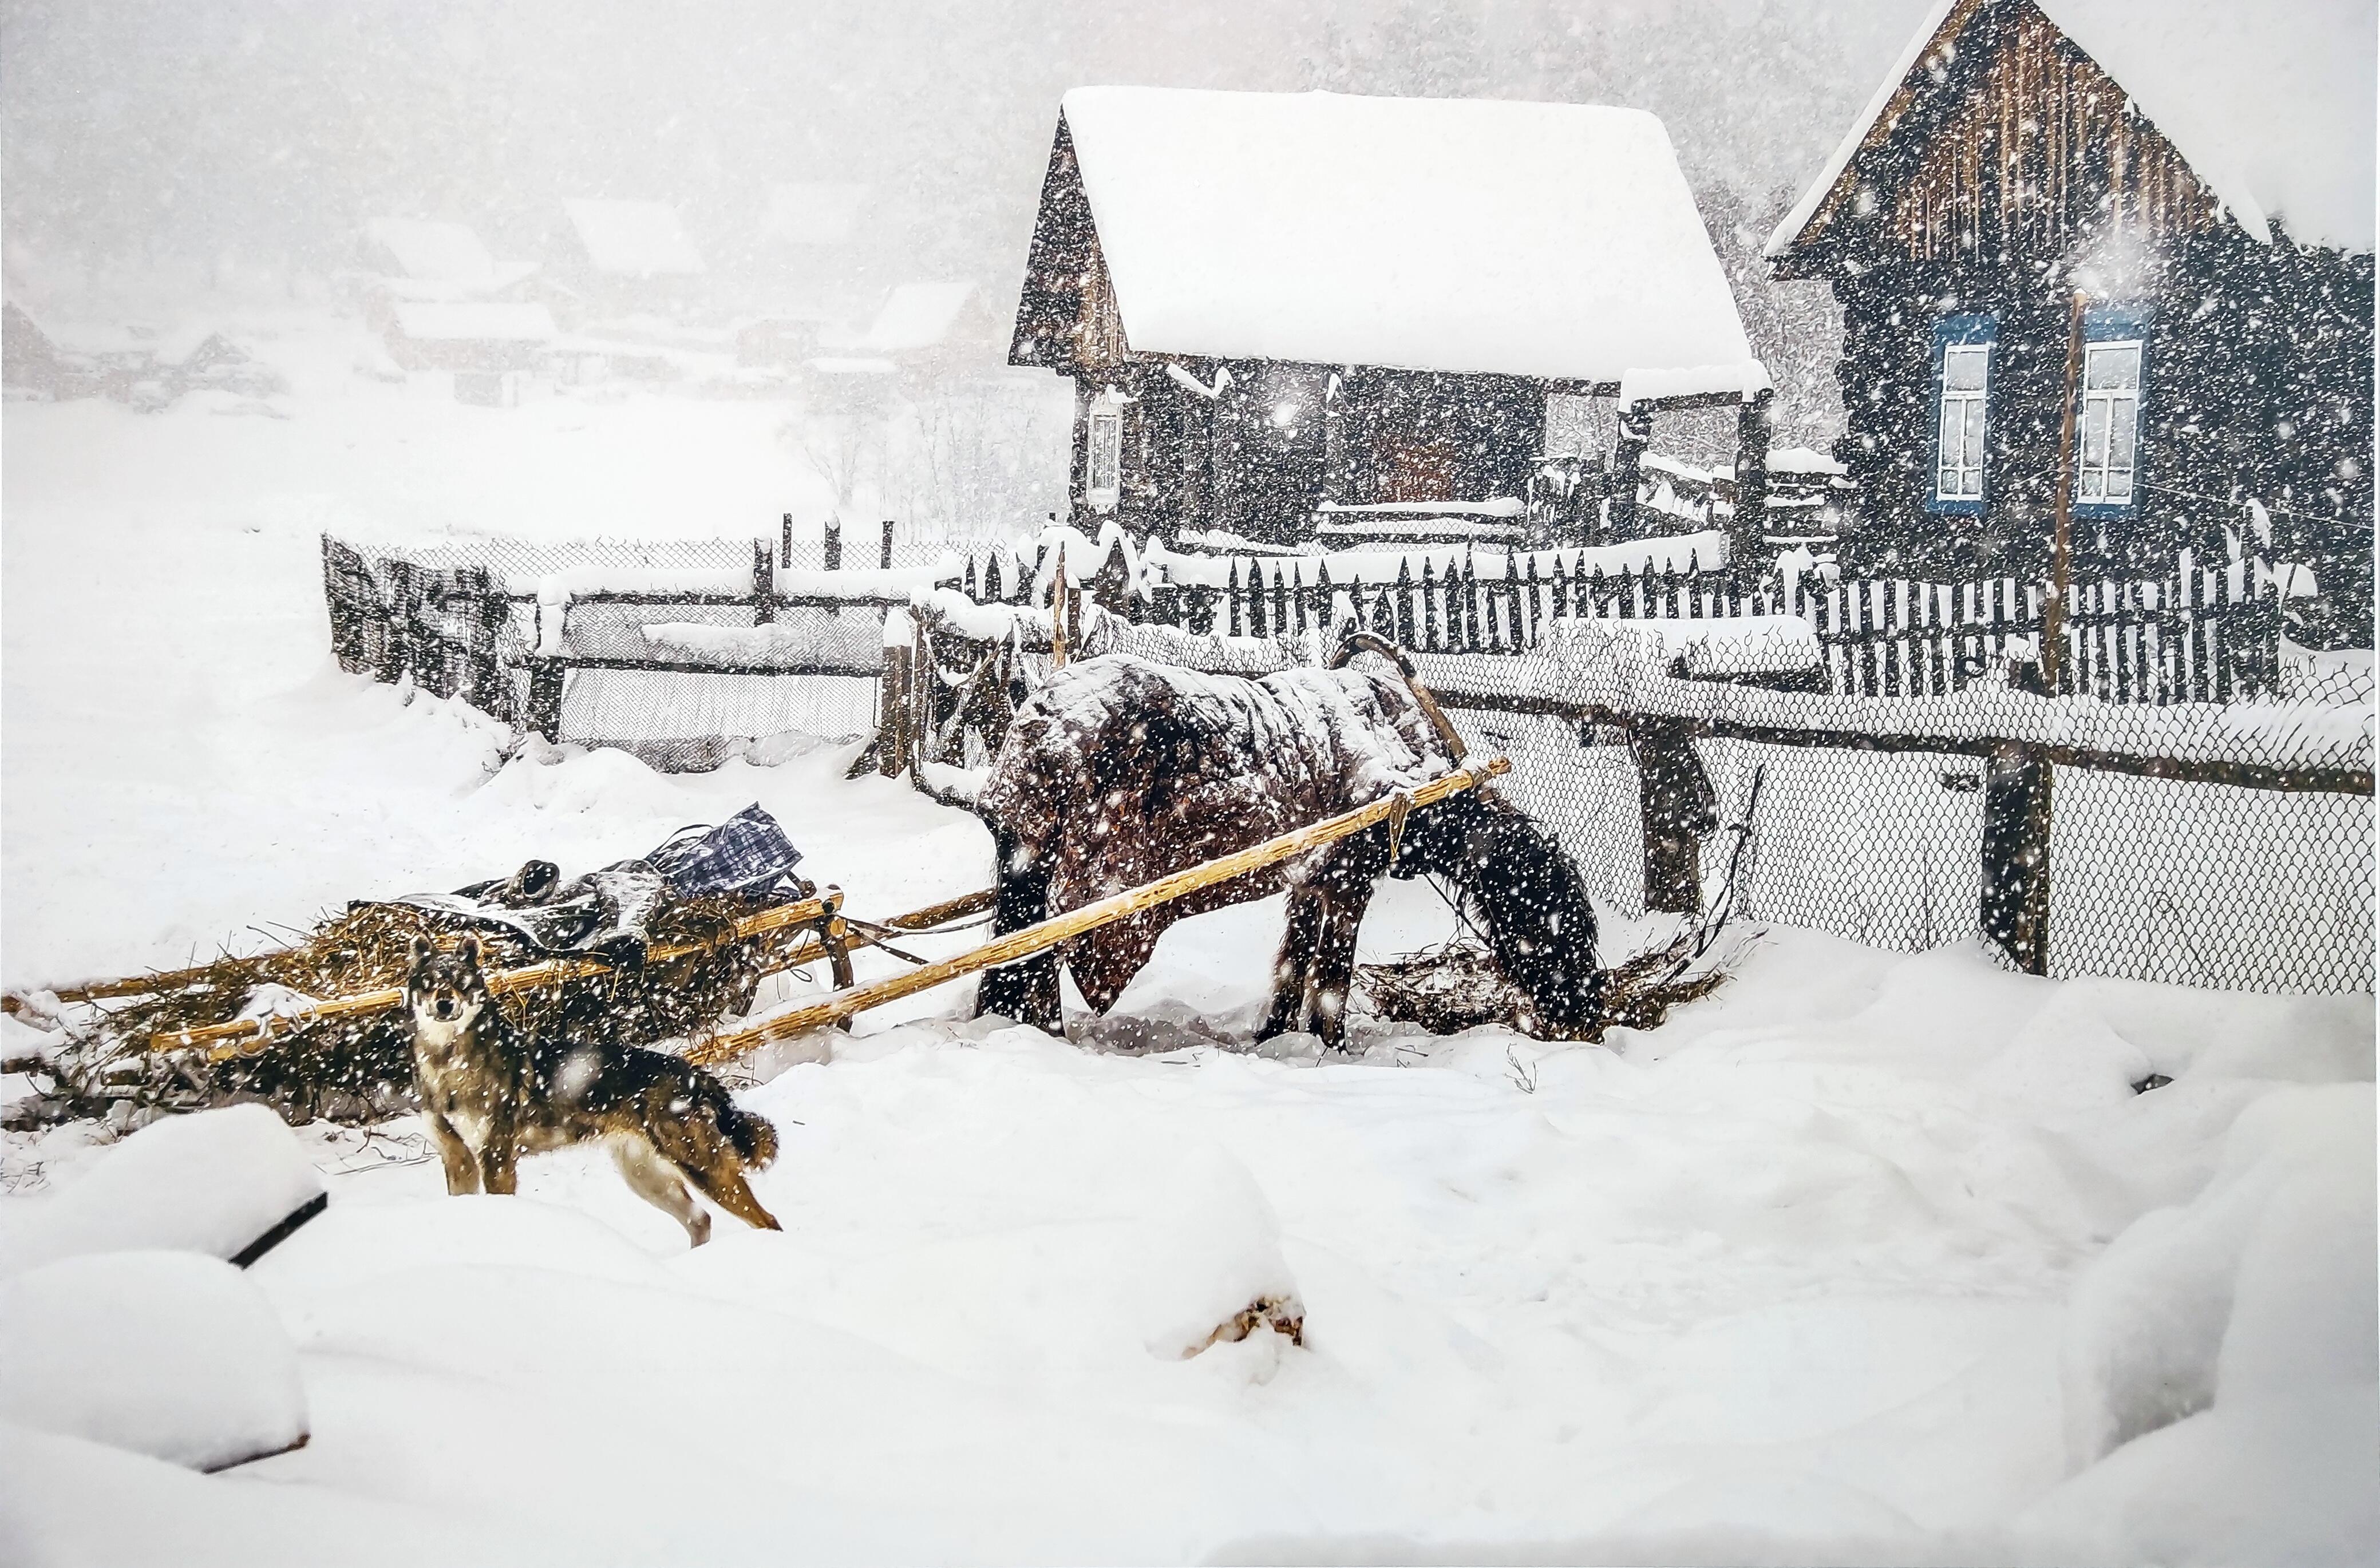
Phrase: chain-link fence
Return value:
(2213, 845)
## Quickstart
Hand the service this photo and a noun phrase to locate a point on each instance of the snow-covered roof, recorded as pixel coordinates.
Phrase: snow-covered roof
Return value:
(2272, 104)
(815, 214)
(917, 316)
(638, 239)
(1553, 240)
(433, 252)
(478, 322)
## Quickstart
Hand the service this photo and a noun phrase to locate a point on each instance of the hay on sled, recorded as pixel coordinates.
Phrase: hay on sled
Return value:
(358, 1067)
(1458, 986)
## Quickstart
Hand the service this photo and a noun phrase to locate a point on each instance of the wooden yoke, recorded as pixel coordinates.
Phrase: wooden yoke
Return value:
(1355, 641)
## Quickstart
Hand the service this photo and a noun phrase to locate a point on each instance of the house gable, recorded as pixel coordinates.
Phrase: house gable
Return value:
(1066, 316)
(2001, 139)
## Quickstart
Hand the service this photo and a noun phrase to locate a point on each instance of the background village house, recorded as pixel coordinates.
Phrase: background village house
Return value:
(1271, 303)
(2204, 174)
(628, 259)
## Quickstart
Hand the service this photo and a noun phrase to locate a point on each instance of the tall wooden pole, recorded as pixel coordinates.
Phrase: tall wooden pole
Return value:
(2062, 568)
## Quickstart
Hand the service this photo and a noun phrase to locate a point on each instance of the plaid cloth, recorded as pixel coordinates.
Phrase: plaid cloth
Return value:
(749, 852)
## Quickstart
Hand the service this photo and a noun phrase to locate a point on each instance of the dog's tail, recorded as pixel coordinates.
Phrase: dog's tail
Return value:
(754, 1137)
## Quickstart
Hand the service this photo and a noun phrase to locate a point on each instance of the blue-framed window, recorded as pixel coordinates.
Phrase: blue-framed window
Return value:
(2108, 411)
(1964, 349)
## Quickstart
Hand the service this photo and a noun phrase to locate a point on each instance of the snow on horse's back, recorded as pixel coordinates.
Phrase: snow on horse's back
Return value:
(1121, 770)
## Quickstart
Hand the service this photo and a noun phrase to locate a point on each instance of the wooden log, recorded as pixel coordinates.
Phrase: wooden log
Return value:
(246, 1036)
(1048, 934)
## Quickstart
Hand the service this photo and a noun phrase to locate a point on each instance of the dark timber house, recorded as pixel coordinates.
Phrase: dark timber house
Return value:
(2201, 171)
(1273, 302)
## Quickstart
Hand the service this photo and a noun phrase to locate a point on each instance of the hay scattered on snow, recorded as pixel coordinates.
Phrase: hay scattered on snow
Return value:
(1458, 986)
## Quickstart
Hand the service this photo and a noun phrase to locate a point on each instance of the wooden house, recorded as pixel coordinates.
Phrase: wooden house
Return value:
(2201, 171)
(630, 259)
(1269, 302)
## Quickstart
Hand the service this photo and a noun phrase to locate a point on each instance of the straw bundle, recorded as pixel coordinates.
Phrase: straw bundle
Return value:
(360, 1068)
(1458, 986)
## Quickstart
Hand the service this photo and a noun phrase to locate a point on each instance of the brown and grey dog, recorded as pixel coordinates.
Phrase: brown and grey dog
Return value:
(491, 1094)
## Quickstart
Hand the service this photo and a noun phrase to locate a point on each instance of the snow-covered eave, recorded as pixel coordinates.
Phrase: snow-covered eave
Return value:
(1900, 87)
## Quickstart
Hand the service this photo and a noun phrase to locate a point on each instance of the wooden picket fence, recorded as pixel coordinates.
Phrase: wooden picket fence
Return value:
(2198, 633)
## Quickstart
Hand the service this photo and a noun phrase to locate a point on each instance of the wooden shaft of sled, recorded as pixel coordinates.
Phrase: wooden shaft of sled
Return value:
(1043, 936)
(246, 1036)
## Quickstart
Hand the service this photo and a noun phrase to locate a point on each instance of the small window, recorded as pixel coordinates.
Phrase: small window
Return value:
(2108, 413)
(1103, 459)
(1966, 375)
(1963, 381)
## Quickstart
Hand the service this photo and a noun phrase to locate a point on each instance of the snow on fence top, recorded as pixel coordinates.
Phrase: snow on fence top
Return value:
(1705, 551)
(2271, 104)
(1554, 240)
(1618, 665)
(637, 239)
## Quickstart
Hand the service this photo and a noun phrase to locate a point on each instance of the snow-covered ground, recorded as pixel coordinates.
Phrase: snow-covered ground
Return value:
(1869, 1258)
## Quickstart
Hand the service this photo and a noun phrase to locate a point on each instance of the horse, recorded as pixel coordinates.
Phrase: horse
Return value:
(1119, 770)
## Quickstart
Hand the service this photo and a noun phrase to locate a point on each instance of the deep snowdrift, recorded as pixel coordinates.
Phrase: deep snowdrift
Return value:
(1869, 1258)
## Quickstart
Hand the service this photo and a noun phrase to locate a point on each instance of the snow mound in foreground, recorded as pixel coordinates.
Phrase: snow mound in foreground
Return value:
(166, 1353)
(212, 1183)
(2219, 1358)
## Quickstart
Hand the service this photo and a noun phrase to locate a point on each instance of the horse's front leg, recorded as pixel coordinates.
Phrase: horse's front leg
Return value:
(1315, 973)
(1026, 990)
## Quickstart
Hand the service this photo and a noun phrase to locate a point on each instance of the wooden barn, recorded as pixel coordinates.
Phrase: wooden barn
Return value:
(2201, 174)
(1269, 302)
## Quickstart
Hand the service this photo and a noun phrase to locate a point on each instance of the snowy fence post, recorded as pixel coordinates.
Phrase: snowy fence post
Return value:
(2016, 856)
(833, 559)
(785, 543)
(764, 584)
(545, 698)
(894, 692)
(396, 647)
(884, 554)
(1677, 807)
(483, 681)
(1636, 433)
(1749, 536)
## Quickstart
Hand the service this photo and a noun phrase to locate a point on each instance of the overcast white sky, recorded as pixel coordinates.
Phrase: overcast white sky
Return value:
(148, 133)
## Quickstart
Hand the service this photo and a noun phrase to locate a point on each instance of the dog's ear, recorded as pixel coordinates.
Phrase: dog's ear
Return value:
(470, 950)
(421, 949)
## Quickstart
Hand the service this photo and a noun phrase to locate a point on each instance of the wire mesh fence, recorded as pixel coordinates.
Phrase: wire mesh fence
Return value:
(2213, 833)
(2221, 845)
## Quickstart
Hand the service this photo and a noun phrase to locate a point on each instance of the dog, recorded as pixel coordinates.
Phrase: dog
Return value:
(491, 1094)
